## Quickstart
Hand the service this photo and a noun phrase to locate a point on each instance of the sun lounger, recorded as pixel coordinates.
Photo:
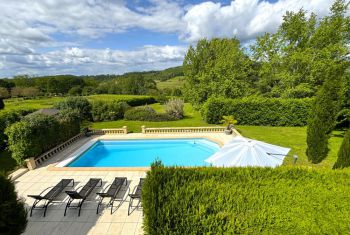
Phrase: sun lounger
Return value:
(49, 195)
(135, 195)
(82, 194)
(112, 192)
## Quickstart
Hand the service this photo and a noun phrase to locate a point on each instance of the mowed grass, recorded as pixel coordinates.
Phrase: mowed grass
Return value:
(192, 119)
(176, 82)
(294, 138)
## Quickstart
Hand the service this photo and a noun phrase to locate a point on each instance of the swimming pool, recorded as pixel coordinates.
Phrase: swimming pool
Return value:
(141, 153)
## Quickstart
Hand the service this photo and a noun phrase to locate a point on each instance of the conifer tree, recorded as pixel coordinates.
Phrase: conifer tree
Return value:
(344, 153)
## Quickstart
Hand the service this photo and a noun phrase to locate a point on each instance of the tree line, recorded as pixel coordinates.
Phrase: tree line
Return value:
(135, 83)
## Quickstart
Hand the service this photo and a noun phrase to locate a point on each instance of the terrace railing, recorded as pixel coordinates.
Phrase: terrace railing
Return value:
(123, 130)
(167, 130)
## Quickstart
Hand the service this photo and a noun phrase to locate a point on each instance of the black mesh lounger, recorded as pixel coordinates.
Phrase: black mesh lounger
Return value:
(112, 192)
(82, 195)
(50, 195)
(135, 195)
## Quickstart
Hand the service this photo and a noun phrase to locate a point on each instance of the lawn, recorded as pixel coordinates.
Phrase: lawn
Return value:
(294, 138)
(176, 82)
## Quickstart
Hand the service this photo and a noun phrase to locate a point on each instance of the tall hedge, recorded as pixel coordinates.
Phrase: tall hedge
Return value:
(246, 201)
(108, 111)
(344, 153)
(6, 119)
(37, 133)
(259, 111)
(13, 216)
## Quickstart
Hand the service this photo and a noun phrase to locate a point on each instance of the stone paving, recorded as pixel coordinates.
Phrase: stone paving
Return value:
(35, 181)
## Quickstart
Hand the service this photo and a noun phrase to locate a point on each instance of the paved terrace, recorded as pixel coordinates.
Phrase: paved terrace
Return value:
(35, 181)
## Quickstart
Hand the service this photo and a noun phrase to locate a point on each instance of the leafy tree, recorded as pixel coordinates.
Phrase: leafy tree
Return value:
(76, 90)
(218, 67)
(344, 153)
(13, 216)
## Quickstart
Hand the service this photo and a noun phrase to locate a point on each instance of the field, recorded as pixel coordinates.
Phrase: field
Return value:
(176, 82)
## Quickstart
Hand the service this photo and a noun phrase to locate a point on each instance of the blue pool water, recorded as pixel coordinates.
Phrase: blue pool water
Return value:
(141, 153)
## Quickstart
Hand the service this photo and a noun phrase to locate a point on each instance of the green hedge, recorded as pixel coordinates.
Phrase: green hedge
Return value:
(37, 133)
(132, 100)
(246, 201)
(259, 111)
(6, 119)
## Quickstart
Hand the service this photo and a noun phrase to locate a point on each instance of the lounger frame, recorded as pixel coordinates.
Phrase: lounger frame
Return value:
(48, 200)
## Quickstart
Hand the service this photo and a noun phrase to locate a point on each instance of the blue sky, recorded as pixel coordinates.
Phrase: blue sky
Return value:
(39, 37)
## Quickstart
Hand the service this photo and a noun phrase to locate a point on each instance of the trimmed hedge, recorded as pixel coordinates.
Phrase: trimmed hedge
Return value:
(37, 133)
(132, 100)
(259, 111)
(246, 201)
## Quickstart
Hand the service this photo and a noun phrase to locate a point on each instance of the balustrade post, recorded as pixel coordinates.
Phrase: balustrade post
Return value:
(30, 163)
(143, 129)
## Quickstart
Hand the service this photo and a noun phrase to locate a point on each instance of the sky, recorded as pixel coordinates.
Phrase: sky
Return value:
(88, 37)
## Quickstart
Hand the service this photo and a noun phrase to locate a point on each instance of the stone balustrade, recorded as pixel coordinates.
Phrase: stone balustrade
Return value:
(123, 130)
(169, 130)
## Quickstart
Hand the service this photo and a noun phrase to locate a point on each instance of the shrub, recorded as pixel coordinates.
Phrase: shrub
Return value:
(37, 133)
(344, 153)
(108, 111)
(175, 108)
(2, 104)
(146, 113)
(259, 111)
(6, 119)
(246, 201)
(80, 104)
(13, 216)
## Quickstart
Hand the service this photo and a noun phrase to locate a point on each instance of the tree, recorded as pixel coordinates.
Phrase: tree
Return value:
(344, 153)
(218, 67)
(13, 216)
(323, 120)
(30, 91)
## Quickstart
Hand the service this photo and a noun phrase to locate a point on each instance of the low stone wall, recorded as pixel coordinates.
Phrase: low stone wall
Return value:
(168, 130)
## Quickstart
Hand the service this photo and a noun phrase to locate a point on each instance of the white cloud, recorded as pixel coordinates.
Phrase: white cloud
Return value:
(92, 61)
(244, 19)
